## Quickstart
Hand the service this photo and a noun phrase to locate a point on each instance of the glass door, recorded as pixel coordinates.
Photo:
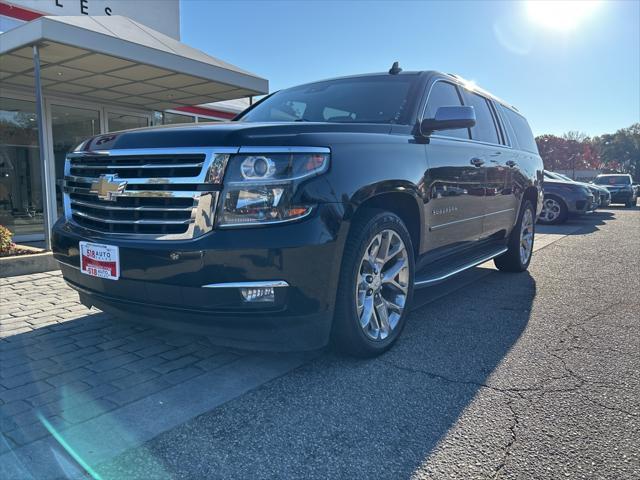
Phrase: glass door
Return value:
(69, 127)
(20, 176)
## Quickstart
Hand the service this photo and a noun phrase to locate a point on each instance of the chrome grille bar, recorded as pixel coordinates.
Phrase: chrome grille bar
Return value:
(143, 166)
(102, 206)
(133, 222)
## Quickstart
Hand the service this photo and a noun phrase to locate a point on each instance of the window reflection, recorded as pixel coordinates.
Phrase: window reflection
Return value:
(20, 182)
(70, 126)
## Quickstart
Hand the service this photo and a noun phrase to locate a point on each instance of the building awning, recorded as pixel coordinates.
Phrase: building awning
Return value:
(113, 59)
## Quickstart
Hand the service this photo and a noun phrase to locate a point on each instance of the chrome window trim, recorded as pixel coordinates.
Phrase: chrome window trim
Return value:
(259, 284)
(469, 140)
(442, 137)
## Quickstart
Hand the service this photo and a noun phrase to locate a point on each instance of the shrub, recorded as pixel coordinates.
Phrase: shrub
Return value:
(6, 244)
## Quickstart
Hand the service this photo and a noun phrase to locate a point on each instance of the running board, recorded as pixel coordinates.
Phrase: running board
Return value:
(433, 277)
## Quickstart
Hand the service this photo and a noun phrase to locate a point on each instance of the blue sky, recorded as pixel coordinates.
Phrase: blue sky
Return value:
(586, 78)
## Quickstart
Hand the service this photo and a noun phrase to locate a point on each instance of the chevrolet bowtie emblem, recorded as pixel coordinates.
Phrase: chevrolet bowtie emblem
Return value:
(108, 187)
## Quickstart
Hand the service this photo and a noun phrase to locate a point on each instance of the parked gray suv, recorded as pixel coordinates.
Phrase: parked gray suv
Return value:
(563, 198)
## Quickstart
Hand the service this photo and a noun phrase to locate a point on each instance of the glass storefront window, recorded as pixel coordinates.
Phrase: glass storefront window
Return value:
(20, 181)
(70, 126)
(171, 118)
(121, 121)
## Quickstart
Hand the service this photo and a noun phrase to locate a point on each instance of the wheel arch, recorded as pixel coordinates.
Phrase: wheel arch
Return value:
(401, 200)
(530, 193)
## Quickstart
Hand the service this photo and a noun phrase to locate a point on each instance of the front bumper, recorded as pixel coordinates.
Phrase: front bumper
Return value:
(581, 204)
(622, 197)
(163, 282)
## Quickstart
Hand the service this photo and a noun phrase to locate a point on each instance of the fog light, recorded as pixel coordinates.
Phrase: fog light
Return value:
(258, 294)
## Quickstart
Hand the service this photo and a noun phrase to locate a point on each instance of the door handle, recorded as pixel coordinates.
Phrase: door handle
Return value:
(477, 162)
(510, 163)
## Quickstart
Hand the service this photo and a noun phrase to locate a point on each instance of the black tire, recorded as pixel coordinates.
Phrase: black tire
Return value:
(630, 204)
(561, 218)
(511, 260)
(347, 335)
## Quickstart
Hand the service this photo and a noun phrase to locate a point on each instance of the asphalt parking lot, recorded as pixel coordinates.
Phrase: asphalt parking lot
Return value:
(533, 375)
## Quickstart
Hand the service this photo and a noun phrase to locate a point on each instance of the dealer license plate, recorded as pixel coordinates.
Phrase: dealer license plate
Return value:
(99, 260)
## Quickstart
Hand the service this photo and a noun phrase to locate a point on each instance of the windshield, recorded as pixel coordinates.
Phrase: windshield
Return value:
(613, 180)
(373, 99)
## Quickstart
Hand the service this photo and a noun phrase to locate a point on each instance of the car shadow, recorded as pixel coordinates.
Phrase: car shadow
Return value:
(339, 417)
(579, 225)
(323, 417)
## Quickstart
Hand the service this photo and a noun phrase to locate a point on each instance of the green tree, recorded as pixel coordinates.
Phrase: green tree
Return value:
(621, 150)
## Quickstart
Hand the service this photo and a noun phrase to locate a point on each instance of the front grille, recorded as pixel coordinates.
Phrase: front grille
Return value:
(163, 193)
(137, 166)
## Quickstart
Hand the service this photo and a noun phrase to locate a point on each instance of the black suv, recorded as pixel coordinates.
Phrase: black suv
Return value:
(620, 186)
(313, 216)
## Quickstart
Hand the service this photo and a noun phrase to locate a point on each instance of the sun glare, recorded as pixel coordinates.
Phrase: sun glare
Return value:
(562, 15)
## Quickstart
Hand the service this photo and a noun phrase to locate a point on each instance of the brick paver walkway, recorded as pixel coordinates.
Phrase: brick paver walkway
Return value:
(67, 364)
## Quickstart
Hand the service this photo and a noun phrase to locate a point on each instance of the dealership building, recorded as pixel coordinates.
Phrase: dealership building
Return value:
(70, 69)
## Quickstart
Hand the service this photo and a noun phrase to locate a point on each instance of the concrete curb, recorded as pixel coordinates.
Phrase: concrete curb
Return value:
(27, 264)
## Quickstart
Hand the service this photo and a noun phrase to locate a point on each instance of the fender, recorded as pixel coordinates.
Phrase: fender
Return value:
(374, 195)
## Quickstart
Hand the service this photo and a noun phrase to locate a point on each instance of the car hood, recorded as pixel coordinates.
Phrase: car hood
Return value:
(235, 134)
(559, 182)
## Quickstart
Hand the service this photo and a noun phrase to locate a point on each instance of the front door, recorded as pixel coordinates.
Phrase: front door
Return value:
(455, 179)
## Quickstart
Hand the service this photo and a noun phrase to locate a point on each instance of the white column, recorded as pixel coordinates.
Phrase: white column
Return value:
(48, 209)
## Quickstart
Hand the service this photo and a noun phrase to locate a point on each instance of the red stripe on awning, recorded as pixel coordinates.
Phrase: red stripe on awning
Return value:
(18, 12)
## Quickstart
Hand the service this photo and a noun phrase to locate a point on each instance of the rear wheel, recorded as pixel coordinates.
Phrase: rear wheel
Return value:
(554, 211)
(376, 284)
(520, 246)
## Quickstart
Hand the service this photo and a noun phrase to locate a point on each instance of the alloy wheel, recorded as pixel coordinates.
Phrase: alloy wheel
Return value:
(526, 236)
(551, 210)
(382, 285)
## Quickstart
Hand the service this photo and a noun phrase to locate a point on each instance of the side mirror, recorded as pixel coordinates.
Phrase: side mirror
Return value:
(449, 118)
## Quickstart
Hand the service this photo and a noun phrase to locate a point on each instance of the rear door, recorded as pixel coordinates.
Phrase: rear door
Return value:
(454, 185)
(496, 159)
(523, 153)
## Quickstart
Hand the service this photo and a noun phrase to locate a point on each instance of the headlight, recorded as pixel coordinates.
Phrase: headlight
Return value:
(259, 188)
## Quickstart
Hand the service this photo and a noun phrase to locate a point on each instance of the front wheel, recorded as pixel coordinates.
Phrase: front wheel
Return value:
(554, 211)
(520, 246)
(376, 284)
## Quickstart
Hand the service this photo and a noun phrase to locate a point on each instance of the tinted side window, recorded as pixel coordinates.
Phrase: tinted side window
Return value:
(485, 128)
(445, 94)
(523, 133)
